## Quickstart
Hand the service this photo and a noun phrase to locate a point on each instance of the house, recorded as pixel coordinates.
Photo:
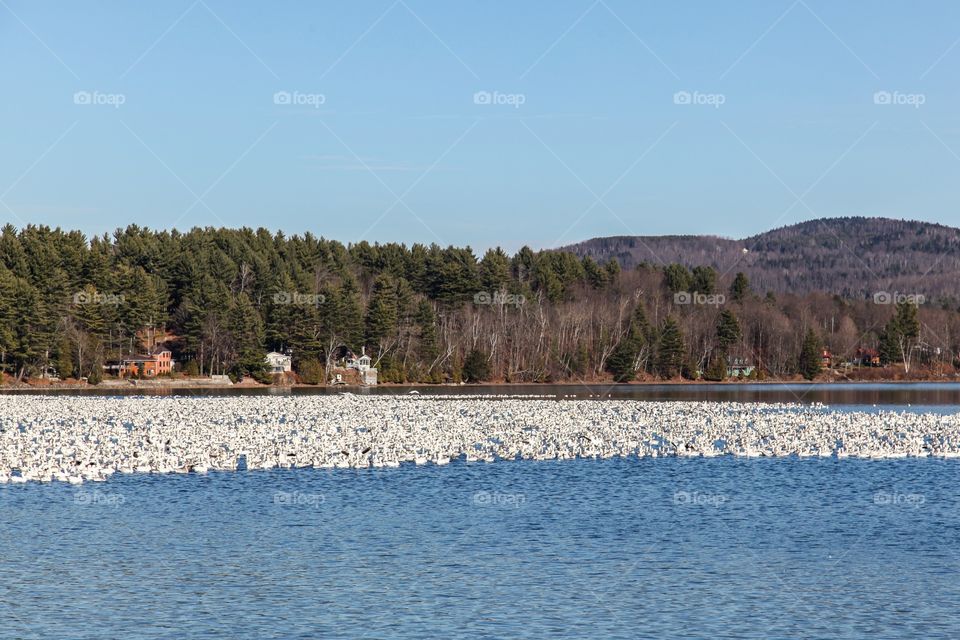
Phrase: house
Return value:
(147, 366)
(279, 362)
(368, 374)
(826, 359)
(868, 357)
(739, 367)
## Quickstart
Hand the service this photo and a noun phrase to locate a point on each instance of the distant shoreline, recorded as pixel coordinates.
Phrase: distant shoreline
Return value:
(151, 386)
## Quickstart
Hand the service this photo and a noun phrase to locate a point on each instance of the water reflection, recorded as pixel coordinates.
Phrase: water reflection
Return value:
(893, 394)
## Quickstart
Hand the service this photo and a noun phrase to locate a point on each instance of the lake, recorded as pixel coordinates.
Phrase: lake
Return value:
(887, 394)
(616, 548)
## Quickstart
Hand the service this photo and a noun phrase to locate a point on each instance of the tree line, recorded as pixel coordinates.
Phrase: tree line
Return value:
(220, 299)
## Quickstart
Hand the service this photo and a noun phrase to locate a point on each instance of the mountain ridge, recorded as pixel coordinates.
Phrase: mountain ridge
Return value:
(853, 256)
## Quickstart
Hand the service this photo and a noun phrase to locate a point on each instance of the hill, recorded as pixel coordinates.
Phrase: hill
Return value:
(853, 257)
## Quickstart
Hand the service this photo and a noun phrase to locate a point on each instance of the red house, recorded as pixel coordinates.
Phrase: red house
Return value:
(148, 366)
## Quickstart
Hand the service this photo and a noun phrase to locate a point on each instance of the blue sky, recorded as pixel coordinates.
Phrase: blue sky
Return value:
(480, 122)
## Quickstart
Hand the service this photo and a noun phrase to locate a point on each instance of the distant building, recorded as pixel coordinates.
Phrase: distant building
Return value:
(868, 357)
(279, 362)
(368, 374)
(826, 359)
(147, 366)
(739, 367)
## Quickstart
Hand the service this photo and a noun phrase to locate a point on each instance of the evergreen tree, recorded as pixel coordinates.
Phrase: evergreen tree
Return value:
(596, 276)
(740, 288)
(426, 322)
(677, 278)
(670, 349)
(704, 280)
(350, 315)
(907, 322)
(613, 270)
(809, 362)
(728, 330)
(626, 358)
(889, 343)
(494, 270)
(381, 320)
(476, 367)
(30, 332)
(900, 335)
(63, 359)
(247, 330)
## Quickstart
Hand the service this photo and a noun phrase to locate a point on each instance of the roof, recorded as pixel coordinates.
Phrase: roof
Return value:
(147, 358)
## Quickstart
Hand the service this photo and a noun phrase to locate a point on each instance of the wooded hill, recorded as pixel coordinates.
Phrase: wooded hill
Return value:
(221, 298)
(851, 257)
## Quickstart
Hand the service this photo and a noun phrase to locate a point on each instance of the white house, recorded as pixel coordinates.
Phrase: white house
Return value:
(278, 362)
(368, 375)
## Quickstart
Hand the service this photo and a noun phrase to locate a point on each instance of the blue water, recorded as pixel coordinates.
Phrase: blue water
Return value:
(836, 394)
(692, 548)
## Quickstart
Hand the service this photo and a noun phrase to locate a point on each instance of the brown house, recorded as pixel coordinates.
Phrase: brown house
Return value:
(148, 366)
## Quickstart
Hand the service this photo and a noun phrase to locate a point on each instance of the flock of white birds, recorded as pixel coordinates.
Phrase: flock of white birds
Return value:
(81, 438)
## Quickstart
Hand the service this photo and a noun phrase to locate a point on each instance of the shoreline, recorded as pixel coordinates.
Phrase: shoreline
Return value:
(608, 385)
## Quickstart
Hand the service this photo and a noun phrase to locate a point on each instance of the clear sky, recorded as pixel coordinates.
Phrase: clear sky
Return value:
(480, 122)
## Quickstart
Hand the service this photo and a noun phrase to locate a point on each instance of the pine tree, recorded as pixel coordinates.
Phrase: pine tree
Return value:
(809, 362)
(246, 328)
(629, 354)
(677, 278)
(350, 315)
(30, 334)
(8, 316)
(476, 367)
(613, 269)
(494, 270)
(596, 275)
(381, 320)
(717, 369)
(670, 349)
(427, 350)
(900, 336)
(907, 321)
(704, 280)
(889, 343)
(63, 359)
(621, 361)
(740, 288)
(728, 330)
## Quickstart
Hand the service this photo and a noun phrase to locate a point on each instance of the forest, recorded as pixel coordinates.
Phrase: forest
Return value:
(220, 299)
(852, 257)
